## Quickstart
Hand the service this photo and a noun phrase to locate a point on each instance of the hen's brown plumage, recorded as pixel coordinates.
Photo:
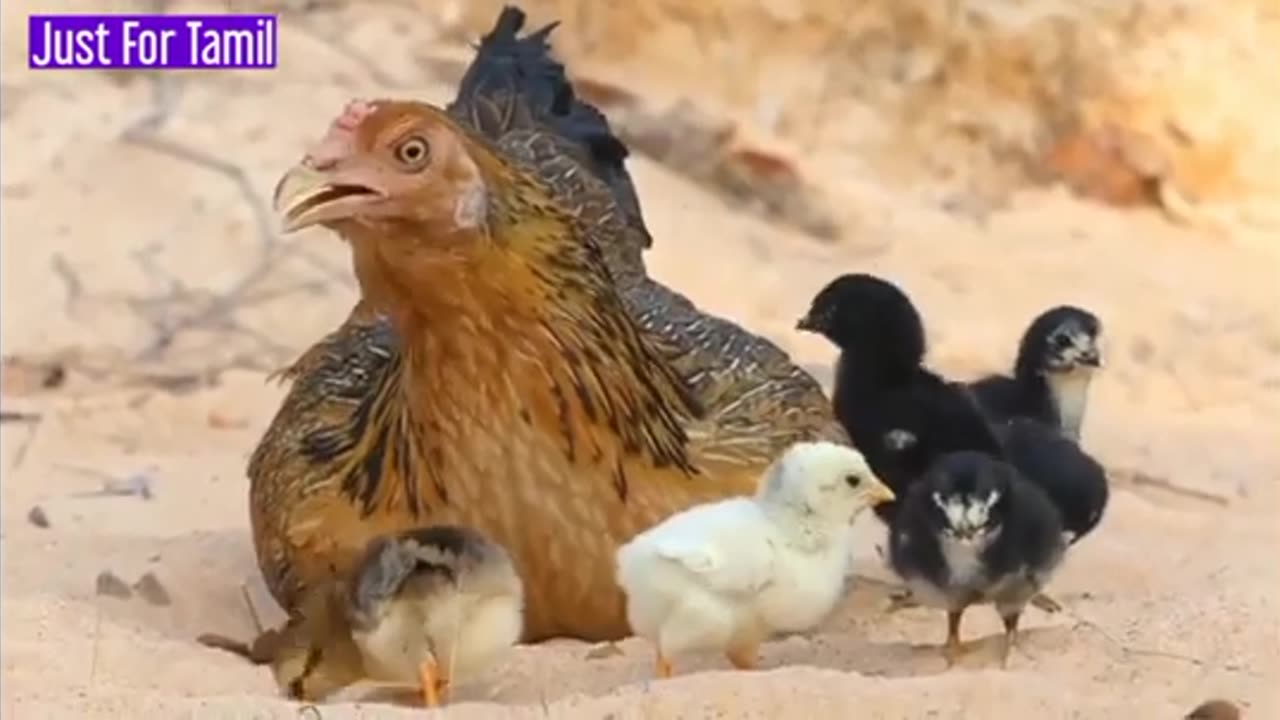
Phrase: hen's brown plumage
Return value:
(548, 393)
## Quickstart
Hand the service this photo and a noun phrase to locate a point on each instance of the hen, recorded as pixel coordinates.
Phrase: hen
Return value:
(509, 367)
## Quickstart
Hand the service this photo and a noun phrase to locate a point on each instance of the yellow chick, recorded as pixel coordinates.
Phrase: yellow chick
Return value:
(727, 575)
(428, 607)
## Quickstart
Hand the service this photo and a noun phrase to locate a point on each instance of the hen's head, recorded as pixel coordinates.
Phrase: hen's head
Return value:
(871, 319)
(386, 165)
(824, 479)
(1061, 340)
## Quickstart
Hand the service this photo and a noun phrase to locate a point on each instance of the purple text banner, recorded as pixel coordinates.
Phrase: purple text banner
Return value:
(176, 42)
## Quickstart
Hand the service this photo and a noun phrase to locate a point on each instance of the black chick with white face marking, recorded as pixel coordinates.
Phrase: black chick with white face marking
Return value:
(898, 414)
(1057, 357)
(974, 531)
(1075, 483)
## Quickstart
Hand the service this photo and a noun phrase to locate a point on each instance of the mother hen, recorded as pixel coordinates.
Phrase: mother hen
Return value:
(510, 366)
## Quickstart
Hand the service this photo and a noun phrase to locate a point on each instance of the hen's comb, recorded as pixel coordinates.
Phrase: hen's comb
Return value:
(339, 141)
(353, 114)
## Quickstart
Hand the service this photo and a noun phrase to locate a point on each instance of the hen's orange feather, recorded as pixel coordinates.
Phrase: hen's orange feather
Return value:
(528, 380)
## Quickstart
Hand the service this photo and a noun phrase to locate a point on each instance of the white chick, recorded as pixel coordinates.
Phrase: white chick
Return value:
(426, 607)
(727, 575)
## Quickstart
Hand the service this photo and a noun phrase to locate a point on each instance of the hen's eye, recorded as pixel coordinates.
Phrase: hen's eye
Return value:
(413, 152)
(852, 480)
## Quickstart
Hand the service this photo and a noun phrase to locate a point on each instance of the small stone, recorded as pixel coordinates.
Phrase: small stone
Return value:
(151, 590)
(36, 517)
(111, 585)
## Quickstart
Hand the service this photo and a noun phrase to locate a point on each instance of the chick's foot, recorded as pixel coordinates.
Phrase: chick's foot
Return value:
(1046, 603)
(663, 666)
(901, 600)
(744, 658)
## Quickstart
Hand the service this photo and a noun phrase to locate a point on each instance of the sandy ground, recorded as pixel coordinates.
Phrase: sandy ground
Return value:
(129, 218)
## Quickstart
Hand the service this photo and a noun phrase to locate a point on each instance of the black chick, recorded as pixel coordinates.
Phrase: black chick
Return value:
(900, 415)
(972, 531)
(1057, 357)
(1075, 483)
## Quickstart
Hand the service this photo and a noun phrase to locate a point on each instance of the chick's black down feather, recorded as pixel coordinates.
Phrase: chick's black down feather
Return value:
(1028, 393)
(1028, 547)
(883, 391)
(1074, 481)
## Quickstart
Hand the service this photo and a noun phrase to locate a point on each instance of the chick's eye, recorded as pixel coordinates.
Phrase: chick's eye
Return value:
(1060, 342)
(852, 480)
(413, 151)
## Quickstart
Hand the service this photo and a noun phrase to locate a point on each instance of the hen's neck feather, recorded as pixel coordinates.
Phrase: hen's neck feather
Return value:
(516, 324)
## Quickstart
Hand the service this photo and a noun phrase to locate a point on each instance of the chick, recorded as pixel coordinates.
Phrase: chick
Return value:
(1057, 357)
(426, 607)
(726, 575)
(898, 413)
(973, 531)
(1075, 483)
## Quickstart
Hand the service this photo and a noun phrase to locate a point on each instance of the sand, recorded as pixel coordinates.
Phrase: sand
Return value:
(122, 240)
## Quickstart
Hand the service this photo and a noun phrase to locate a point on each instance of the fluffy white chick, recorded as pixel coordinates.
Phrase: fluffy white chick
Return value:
(727, 575)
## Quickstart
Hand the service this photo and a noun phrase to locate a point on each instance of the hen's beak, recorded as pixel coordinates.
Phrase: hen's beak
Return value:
(306, 196)
(807, 324)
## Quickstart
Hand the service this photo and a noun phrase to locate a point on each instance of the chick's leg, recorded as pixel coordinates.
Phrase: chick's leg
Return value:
(663, 665)
(1010, 636)
(953, 650)
(432, 684)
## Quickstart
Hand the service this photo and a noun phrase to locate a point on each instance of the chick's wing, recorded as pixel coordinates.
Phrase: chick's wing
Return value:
(727, 547)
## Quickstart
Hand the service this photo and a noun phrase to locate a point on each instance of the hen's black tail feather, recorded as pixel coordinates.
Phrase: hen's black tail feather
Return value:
(508, 67)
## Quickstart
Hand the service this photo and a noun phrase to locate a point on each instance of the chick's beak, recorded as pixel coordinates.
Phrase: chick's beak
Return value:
(306, 196)
(880, 493)
(807, 323)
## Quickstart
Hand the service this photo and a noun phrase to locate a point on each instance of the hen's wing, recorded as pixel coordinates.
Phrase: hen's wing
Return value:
(516, 84)
(306, 451)
(725, 546)
(757, 400)
(362, 323)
